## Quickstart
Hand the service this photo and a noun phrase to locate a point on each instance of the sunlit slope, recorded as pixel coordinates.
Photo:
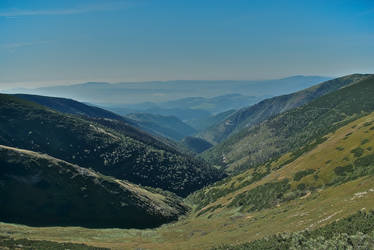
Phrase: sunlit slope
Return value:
(316, 189)
(107, 150)
(345, 154)
(294, 129)
(265, 109)
(39, 190)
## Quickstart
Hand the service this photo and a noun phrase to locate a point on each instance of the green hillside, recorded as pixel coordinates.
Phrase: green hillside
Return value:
(293, 130)
(39, 190)
(91, 145)
(249, 116)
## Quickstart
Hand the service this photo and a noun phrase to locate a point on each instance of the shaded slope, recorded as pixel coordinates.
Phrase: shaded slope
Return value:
(265, 109)
(70, 106)
(89, 144)
(196, 144)
(292, 130)
(40, 190)
(210, 121)
(166, 126)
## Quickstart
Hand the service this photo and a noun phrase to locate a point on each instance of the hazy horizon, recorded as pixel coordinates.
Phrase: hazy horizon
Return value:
(37, 85)
(65, 42)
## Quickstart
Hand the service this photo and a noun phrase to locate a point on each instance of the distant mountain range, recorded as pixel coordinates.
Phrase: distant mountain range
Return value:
(157, 91)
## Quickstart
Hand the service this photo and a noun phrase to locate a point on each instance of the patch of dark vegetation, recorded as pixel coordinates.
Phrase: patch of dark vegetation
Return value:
(203, 197)
(364, 141)
(357, 152)
(342, 171)
(367, 124)
(10, 243)
(362, 166)
(261, 197)
(353, 232)
(209, 209)
(339, 148)
(300, 174)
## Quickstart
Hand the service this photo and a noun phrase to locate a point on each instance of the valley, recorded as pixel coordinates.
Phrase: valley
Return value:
(299, 169)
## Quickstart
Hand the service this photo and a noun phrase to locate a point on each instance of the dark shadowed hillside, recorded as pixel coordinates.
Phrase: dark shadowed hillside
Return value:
(40, 190)
(166, 126)
(196, 144)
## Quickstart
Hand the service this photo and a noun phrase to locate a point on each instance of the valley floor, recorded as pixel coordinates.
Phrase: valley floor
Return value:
(229, 227)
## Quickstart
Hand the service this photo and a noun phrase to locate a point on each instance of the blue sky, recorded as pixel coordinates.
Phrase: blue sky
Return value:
(47, 42)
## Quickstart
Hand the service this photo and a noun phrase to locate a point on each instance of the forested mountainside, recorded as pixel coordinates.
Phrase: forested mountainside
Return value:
(166, 126)
(39, 190)
(295, 129)
(88, 144)
(252, 115)
(196, 144)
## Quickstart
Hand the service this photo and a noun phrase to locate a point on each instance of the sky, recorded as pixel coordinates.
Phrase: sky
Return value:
(54, 42)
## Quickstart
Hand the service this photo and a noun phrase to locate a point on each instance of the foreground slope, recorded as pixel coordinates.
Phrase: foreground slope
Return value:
(292, 130)
(265, 109)
(40, 190)
(92, 145)
(329, 182)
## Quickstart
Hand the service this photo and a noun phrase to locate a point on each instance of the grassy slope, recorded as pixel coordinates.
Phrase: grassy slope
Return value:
(106, 150)
(40, 190)
(292, 130)
(265, 109)
(327, 199)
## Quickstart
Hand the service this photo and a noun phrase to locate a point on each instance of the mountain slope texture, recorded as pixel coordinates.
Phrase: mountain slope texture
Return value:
(88, 144)
(294, 129)
(265, 109)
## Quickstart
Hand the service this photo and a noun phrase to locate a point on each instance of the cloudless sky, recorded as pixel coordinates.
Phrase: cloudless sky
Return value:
(46, 42)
